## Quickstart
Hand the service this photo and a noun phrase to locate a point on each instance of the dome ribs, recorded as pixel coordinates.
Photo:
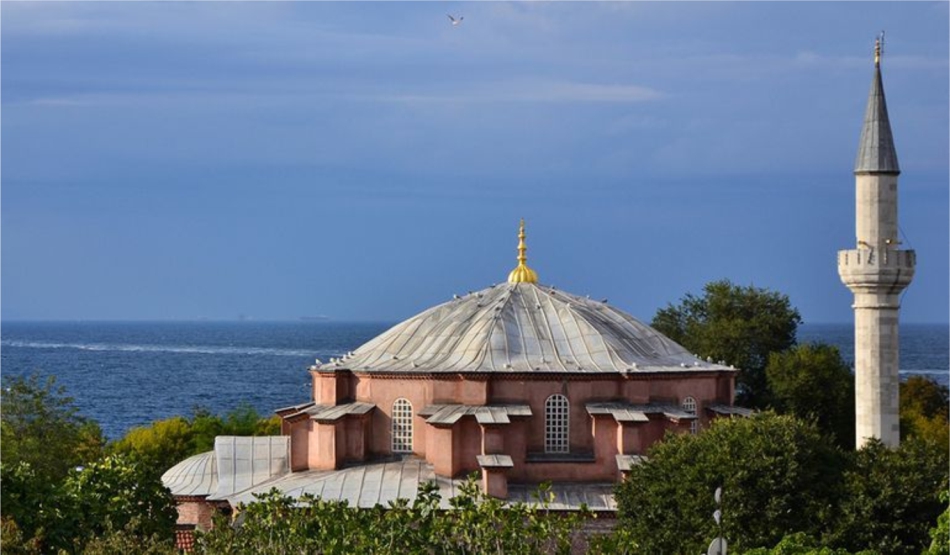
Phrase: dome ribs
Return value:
(553, 355)
(530, 340)
(565, 323)
(452, 338)
(523, 328)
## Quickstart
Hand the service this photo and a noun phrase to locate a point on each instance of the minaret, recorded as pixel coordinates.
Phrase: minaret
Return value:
(877, 271)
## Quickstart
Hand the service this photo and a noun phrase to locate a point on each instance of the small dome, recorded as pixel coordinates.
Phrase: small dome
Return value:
(522, 327)
(194, 476)
(522, 274)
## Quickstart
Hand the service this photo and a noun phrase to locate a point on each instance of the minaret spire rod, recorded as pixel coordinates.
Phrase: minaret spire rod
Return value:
(878, 49)
(522, 248)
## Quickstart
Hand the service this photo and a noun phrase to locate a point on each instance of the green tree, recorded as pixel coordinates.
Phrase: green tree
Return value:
(165, 443)
(268, 426)
(204, 428)
(40, 425)
(739, 325)
(778, 476)
(801, 544)
(31, 508)
(160, 446)
(116, 493)
(892, 497)
(475, 524)
(924, 406)
(241, 421)
(110, 497)
(812, 382)
(940, 534)
(921, 395)
(129, 540)
(12, 541)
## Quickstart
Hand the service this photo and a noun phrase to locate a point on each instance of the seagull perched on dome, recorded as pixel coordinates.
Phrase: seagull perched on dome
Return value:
(455, 21)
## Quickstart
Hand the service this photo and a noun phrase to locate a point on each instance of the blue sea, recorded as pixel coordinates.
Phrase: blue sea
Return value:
(126, 374)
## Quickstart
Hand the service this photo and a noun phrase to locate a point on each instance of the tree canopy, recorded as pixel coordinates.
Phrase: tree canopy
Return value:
(739, 325)
(777, 474)
(41, 426)
(924, 406)
(812, 382)
(165, 443)
(940, 534)
(92, 502)
(892, 497)
(59, 491)
(476, 524)
(785, 487)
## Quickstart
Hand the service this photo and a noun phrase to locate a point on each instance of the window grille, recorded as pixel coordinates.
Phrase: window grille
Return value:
(402, 426)
(557, 414)
(689, 405)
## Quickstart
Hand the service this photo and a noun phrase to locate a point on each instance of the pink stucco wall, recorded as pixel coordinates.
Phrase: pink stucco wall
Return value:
(452, 449)
(299, 432)
(195, 510)
(468, 446)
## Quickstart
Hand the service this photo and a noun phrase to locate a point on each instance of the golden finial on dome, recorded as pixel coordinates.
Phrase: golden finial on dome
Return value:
(522, 273)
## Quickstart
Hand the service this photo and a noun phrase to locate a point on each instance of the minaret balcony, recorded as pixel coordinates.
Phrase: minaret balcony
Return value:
(883, 270)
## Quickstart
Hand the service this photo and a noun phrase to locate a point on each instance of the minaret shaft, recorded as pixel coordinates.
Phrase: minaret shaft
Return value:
(877, 271)
(876, 210)
(877, 382)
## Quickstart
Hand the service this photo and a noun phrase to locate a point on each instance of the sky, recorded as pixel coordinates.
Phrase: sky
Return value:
(366, 161)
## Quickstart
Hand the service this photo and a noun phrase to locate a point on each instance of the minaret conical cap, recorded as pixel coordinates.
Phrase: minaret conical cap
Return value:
(876, 153)
(522, 273)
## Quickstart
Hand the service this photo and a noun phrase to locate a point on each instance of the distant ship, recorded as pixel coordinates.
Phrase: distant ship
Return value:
(317, 318)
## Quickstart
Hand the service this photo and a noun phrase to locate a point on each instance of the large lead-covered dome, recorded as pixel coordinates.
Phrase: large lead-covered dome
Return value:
(521, 327)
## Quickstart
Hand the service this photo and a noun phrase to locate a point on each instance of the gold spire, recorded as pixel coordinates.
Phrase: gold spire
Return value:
(878, 49)
(522, 273)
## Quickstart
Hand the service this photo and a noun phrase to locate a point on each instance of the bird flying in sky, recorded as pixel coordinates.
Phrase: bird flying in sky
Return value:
(455, 21)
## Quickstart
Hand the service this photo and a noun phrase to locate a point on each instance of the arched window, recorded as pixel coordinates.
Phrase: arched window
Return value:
(689, 405)
(402, 426)
(557, 414)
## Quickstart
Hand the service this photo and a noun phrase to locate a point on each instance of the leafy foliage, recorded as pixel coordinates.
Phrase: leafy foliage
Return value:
(42, 427)
(619, 541)
(802, 544)
(130, 540)
(12, 541)
(93, 502)
(58, 492)
(940, 534)
(167, 442)
(777, 473)
(241, 421)
(785, 486)
(29, 501)
(892, 497)
(159, 446)
(117, 493)
(476, 523)
(924, 406)
(735, 324)
(812, 382)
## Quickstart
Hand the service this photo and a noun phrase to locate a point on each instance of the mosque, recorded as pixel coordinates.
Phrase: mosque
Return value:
(519, 382)
(523, 383)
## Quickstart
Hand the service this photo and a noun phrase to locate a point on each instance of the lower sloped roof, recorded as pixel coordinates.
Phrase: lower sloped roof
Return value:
(379, 483)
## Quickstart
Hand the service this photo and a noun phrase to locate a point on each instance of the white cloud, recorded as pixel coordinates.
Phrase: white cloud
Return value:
(63, 101)
(535, 90)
